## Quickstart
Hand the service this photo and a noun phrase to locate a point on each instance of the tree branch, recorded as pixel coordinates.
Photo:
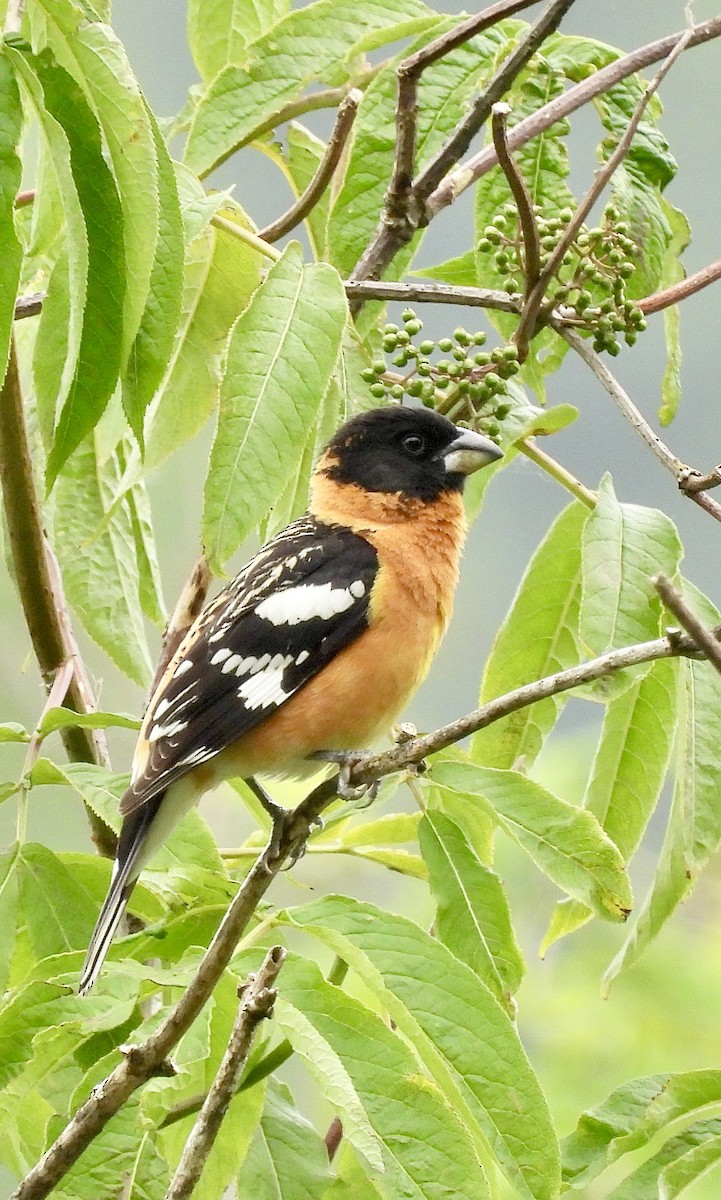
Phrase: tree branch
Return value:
(695, 628)
(257, 997)
(682, 290)
(405, 208)
(344, 120)
(524, 207)
(535, 295)
(40, 586)
(479, 164)
(635, 417)
(430, 293)
(287, 840)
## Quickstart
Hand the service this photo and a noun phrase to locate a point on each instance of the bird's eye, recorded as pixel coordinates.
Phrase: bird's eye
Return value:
(414, 445)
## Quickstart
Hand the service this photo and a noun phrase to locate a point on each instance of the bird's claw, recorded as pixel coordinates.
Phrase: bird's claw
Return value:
(347, 760)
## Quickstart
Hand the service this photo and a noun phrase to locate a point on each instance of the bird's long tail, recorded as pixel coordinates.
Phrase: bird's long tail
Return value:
(132, 841)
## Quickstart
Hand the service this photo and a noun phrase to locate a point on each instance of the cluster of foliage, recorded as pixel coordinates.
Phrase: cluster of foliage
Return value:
(159, 311)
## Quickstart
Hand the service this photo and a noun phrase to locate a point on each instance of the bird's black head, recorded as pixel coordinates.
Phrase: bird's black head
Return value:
(408, 450)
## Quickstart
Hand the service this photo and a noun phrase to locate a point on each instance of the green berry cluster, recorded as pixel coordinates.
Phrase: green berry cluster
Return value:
(590, 283)
(467, 380)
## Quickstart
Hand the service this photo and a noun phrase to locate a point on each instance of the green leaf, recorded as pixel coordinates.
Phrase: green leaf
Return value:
(91, 53)
(565, 842)
(672, 272)
(624, 547)
(10, 249)
(472, 916)
(308, 45)
(631, 1117)
(633, 755)
(96, 368)
(460, 1032)
(149, 582)
(287, 1159)
(693, 833)
(9, 895)
(151, 350)
(281, 353)
(219, 31)
(95, 544)
(57, 910)
(352, 1182)
(62, 718)
(221, 274)
(459, 272)
(537, 638)
(426, 1152)
(10, 731)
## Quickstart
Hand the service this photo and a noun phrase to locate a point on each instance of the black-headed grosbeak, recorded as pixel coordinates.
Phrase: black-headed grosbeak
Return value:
(317, 644)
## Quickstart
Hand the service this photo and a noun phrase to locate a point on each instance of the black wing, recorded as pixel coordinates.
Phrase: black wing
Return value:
(302, 598)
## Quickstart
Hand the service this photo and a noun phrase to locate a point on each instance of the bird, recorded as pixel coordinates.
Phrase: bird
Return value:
(319, 642)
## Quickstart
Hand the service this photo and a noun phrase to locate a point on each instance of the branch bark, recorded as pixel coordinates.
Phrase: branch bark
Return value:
(257, 997)
(345, 118)
(40, 586)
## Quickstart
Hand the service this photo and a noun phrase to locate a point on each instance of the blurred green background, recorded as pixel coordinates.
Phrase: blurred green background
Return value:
(662, 1015)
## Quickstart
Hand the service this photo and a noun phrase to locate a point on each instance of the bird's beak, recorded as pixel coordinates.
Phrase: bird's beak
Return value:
(469, 452)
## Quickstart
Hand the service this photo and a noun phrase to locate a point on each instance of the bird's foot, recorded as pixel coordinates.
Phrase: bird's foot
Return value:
(347, 760)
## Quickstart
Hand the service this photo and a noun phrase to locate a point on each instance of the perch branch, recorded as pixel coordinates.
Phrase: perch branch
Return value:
(701, 634)
(467, 173)
(257, 997)
(326, 169)
(535, 296)
(40, 586)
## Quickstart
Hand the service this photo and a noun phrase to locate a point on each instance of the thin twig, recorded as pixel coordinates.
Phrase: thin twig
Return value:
(244, 235)
(187, 608)
(682, 290)
(467, 173)
(690, 480)
(140, 1063)
(401, 218)
(409, 72)
(40, 586)
(524, 205)
(622, 400)
(345, 118)
(635, 417)
(685, 616)
(534, 300)
(431, 176)
(257, 997)
(430, 293)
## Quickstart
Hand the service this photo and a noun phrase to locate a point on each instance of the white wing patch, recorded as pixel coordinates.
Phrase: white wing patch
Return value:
(306, 602)
(265, 688)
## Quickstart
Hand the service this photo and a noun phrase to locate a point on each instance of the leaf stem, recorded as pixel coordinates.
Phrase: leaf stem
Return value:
(245, 235)
(533, 451)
